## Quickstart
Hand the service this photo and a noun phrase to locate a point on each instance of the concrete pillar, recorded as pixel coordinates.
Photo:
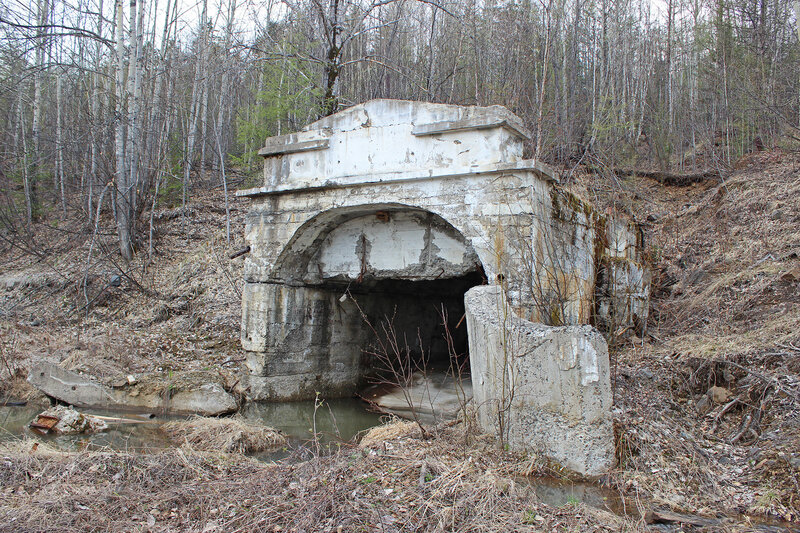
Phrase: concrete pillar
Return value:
(542, 389)
(299, 341)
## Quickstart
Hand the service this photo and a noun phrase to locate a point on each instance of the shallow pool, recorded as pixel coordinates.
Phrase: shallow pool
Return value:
(335, 421)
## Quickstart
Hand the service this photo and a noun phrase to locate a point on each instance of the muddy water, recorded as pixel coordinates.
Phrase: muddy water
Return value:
(145, 436)
(336, 421)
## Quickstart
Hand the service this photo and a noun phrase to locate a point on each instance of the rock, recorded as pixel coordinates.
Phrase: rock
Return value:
(718, 394)
(207, 400)
(791, 275)
(703, 405)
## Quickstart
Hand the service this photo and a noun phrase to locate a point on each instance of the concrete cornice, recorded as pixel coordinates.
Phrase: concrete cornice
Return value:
(362, 180)
(493, 117)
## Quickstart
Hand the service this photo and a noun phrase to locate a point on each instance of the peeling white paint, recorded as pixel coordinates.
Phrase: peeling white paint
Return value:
(448, 248)
(584, 350)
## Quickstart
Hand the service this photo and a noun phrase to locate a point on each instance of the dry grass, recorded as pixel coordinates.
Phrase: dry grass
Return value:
(22, 447)
(723, 314)
(228, 435)
(393, 429)
(404, 484)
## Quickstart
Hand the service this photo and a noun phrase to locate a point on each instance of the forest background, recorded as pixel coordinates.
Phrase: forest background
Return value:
(107, 107)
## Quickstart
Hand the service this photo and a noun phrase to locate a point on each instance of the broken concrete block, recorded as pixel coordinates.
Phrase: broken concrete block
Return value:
(69, 387)
(208, 399)
(70, 421)
(545, 389)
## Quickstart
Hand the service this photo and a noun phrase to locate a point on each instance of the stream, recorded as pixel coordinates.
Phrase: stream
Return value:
(336, 421)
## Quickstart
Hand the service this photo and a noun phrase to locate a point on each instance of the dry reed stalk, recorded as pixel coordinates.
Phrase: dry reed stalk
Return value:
(419, 485)
(229, 435)
(391, 430)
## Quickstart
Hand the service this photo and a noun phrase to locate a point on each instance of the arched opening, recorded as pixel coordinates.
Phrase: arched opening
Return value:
(395, 277)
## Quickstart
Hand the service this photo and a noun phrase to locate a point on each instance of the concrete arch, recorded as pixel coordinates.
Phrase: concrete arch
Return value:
(311, 326)
(458, 258)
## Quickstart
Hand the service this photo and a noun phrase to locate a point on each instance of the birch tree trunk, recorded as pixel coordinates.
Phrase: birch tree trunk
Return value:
(121, 200)
(95, 109)
(195, 104)
(133, 142)
(538, 150)
(59, 171)
(797, 24)
(41, 37)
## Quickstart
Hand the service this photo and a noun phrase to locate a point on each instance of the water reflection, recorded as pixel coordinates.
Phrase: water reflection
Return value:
(336, 420)
(142, 437)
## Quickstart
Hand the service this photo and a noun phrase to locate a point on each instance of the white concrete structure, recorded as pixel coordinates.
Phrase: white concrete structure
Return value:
(394, 209)
(544, 389)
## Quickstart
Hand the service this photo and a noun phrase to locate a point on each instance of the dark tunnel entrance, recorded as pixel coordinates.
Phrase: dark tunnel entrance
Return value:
(365, 289)
(412, 325)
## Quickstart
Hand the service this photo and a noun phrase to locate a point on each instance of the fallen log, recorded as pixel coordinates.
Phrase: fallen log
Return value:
(663, 177)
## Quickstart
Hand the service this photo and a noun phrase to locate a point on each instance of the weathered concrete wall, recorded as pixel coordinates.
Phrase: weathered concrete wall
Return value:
(623, 297)
(412, 136)
(545, 389)
(299, 341)
(391, 245)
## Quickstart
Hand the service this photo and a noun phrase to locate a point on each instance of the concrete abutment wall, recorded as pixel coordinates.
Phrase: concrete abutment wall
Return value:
(544, 389)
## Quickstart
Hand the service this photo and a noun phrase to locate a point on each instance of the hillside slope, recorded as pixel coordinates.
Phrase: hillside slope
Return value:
(73, 301)
(707, 404)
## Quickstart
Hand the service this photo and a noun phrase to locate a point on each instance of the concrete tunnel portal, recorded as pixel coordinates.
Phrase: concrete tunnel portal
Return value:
(395, 276)
(394, 208)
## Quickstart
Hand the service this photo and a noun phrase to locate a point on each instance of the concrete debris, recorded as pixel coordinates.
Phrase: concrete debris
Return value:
(182, 396)
(66, 420)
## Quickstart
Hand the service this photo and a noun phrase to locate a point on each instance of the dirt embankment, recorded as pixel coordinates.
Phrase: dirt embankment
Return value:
(707, 405)
(66, 297)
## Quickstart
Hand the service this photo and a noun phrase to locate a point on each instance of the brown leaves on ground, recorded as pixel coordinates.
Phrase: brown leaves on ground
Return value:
(403, 484)
(178, 309)
(708, 404)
